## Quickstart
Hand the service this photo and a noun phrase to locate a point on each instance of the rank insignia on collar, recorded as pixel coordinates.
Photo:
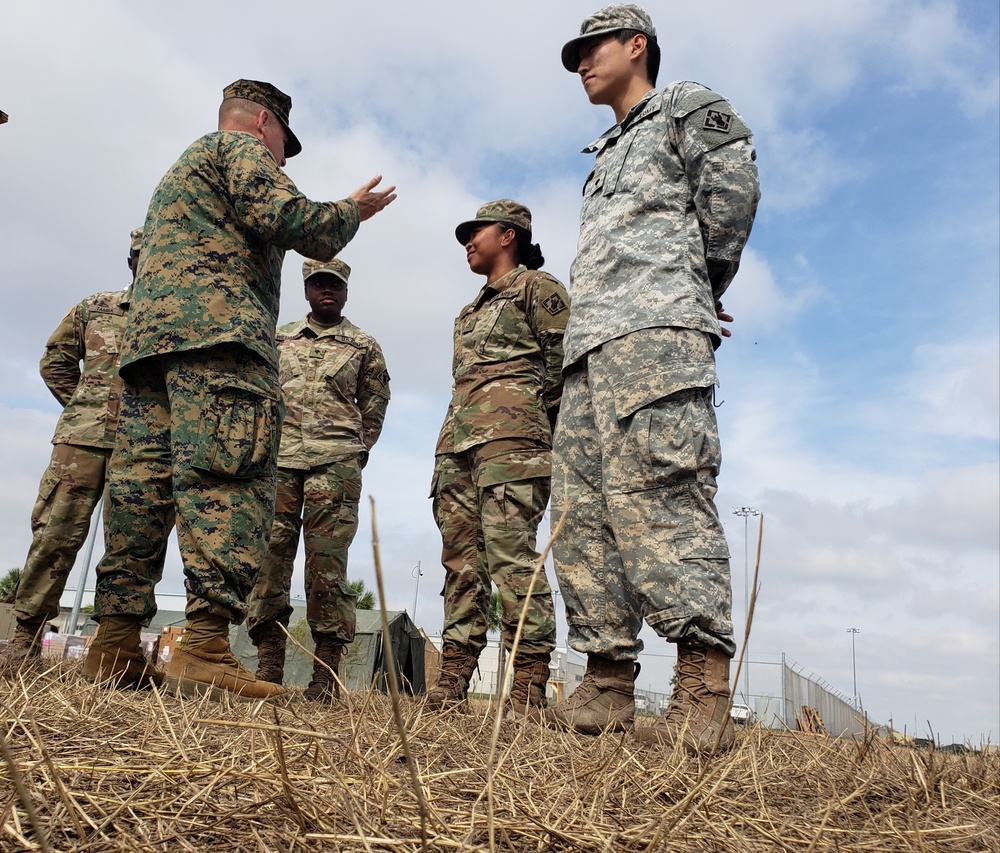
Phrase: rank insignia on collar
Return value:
(718, 121)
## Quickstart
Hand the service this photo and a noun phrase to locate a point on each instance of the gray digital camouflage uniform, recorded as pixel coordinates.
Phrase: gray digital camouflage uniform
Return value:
(91, 335)
(201, 411)
(667, 210)
(493, 458)
(336, 389)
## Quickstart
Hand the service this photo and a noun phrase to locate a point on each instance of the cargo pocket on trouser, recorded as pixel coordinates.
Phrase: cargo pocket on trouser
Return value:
(239, 432)
(40, 512)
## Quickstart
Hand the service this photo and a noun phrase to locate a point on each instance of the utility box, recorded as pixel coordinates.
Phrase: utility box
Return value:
(8, 621)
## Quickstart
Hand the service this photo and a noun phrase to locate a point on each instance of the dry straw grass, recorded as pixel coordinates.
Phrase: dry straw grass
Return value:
(108, 770)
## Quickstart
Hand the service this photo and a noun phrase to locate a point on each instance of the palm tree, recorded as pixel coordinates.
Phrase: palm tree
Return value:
(8, 586)
(494, 623)
(366, 598)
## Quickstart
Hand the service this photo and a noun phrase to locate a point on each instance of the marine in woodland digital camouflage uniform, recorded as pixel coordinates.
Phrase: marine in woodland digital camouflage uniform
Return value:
(89, 335)
(201, 415)
(493, 460)
(335, 387)
(667, 209)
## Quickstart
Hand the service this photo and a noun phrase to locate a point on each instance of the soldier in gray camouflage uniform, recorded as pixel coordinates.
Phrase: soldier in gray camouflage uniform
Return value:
(91, 334)
(493, 458)
(198, 438)
(666, 212)
(336, 388)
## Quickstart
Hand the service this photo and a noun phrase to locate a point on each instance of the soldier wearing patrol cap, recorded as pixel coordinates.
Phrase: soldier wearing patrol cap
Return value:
(80, 368)
(198, 439)
(493, 461)
(666, 212)
(336, 388)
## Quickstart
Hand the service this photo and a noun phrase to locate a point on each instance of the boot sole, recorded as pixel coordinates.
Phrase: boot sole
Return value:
(190, 689)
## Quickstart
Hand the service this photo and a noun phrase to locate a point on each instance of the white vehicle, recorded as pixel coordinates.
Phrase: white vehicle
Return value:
(742, 715)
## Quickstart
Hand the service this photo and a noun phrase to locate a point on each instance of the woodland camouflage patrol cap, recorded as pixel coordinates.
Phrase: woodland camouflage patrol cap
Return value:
(270, 98)
(334, 267)
(501, 210)
(610, 19)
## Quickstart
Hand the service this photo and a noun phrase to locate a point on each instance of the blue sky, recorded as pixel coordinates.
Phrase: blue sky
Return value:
(862, 401)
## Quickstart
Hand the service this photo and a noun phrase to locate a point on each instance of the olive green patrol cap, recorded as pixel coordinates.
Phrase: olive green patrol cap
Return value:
(501, 210)
(610, 19)
(334, 267)
(136, 238)
(270, 98)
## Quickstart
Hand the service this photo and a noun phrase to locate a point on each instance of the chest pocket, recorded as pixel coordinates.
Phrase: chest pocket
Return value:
(626, 161)
(340, 365)
(492, 334)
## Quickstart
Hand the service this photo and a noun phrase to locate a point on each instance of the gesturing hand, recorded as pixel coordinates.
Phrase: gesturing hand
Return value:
(370, 203)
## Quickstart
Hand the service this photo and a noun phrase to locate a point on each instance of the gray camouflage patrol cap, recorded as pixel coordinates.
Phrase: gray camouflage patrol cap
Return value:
(501, 210)
(334, 267)
(136, 238)
(270, 98)
(610, 19)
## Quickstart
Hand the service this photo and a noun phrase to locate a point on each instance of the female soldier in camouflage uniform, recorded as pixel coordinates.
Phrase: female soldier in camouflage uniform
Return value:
(493, 461)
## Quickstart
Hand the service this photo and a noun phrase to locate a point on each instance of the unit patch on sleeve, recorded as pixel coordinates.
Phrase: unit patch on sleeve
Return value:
(553, 303)
(718, 121)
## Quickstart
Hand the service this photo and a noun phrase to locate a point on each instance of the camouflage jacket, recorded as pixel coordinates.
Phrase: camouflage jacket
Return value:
(666, 212)
(336, 389)
(216, 233)
(90, 333)
(507, 366)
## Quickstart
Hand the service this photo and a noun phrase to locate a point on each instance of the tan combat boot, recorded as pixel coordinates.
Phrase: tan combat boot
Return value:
(604, 701)
(24, 651)
(270, 642)
(457, 666)
(699, 706)
(324, 687)
(527, 693)
(203, 664)
(115, 655)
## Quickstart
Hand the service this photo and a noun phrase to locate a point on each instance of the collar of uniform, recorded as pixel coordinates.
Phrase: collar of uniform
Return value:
(126, 298)
(500, 284)
(646, 106)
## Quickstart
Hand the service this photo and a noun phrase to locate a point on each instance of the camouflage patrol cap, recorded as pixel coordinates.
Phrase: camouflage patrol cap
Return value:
(501, 210)
(136, 238)
(334, 267)
(610, 19)
(270, 98)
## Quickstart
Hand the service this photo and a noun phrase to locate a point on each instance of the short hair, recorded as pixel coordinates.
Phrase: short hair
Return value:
(652, 51)
(239, 110)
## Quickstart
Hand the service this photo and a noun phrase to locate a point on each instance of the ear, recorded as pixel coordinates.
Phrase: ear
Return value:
(637, 45)
(263, 119)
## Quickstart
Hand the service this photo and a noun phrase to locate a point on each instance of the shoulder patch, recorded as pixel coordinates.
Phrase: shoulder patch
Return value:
(718, 120)
(554, 304)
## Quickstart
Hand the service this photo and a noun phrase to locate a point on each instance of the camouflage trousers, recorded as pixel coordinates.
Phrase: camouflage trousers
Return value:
(488, 502)
(322, 502)
(70, 489)
(635, 459)
(197, 446)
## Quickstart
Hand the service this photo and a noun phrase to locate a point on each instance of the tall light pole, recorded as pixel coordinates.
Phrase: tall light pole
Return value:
(854, 662)
(745, 512)
(418, 575)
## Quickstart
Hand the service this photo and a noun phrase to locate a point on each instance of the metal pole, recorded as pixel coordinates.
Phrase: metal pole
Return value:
(854, 662)
(95, 522)
(745, 512)
(417, 574)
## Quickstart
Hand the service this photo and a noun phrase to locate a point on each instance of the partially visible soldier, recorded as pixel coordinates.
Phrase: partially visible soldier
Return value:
(336, 388)
(91, 335)
(201, 403)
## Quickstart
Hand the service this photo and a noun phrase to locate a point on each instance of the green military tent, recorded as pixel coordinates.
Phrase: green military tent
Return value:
(364, 663)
